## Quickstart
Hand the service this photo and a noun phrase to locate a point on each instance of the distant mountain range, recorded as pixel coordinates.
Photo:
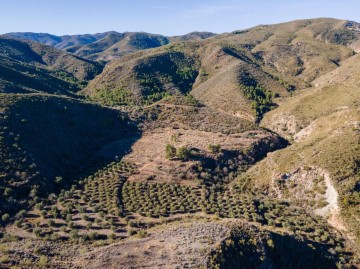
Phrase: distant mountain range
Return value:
(108, 45)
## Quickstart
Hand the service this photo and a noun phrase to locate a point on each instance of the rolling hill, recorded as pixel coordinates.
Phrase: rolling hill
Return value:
(33, 67)
(249, 70)
(47, 140)
(115, 45)
(108, 45)
(323, 122)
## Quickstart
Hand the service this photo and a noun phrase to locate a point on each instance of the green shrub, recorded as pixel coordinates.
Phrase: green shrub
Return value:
(111, 236)
(170, 151)
(214, 148)
(93, 236)
(270, 243)
(142, 234)
(21, 214)
(183, 153)
(43, 261)
(5, 217)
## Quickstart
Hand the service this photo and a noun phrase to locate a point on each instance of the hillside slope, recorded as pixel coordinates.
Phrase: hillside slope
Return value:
(33, 67)
(227, 246)
(321, 167)
(177, 205)
(115, 45)
(47, 140)
(108, 45)
(248, 70)
(66, 42)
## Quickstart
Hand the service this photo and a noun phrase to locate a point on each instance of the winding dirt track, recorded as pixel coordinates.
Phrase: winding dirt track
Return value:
(331, 196)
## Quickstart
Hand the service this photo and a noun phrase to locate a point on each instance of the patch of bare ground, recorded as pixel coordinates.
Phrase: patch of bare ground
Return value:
(177, 245)
(304, 133)
(313, 185)
(148, 153)
(302, 184)
(331, 197)
(284, 124)
(331, 210)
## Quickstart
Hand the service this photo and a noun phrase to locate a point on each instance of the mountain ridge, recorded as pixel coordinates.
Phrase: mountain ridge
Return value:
(77, 44)
(29, 66)
(223, 69)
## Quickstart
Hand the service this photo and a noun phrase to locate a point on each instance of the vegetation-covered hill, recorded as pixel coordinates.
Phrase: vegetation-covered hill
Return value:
(192, 36)
(106, 46)
(67, 42)
(115, 45)
(323, 122)
(248, 70)
(238, 150)
(47, 141)
(33, 67)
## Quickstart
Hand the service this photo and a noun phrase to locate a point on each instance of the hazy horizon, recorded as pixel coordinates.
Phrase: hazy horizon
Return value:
(161, 17)
(93, 33)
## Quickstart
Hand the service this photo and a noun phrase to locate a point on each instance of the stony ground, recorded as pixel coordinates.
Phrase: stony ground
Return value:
(178, 245)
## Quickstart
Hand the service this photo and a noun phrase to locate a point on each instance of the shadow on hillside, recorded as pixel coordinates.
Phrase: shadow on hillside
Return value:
(232, 52)
(56, 141)
(291, 253)
(281, 251)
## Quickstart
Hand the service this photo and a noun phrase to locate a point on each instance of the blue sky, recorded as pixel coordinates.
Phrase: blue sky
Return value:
(162, 16)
